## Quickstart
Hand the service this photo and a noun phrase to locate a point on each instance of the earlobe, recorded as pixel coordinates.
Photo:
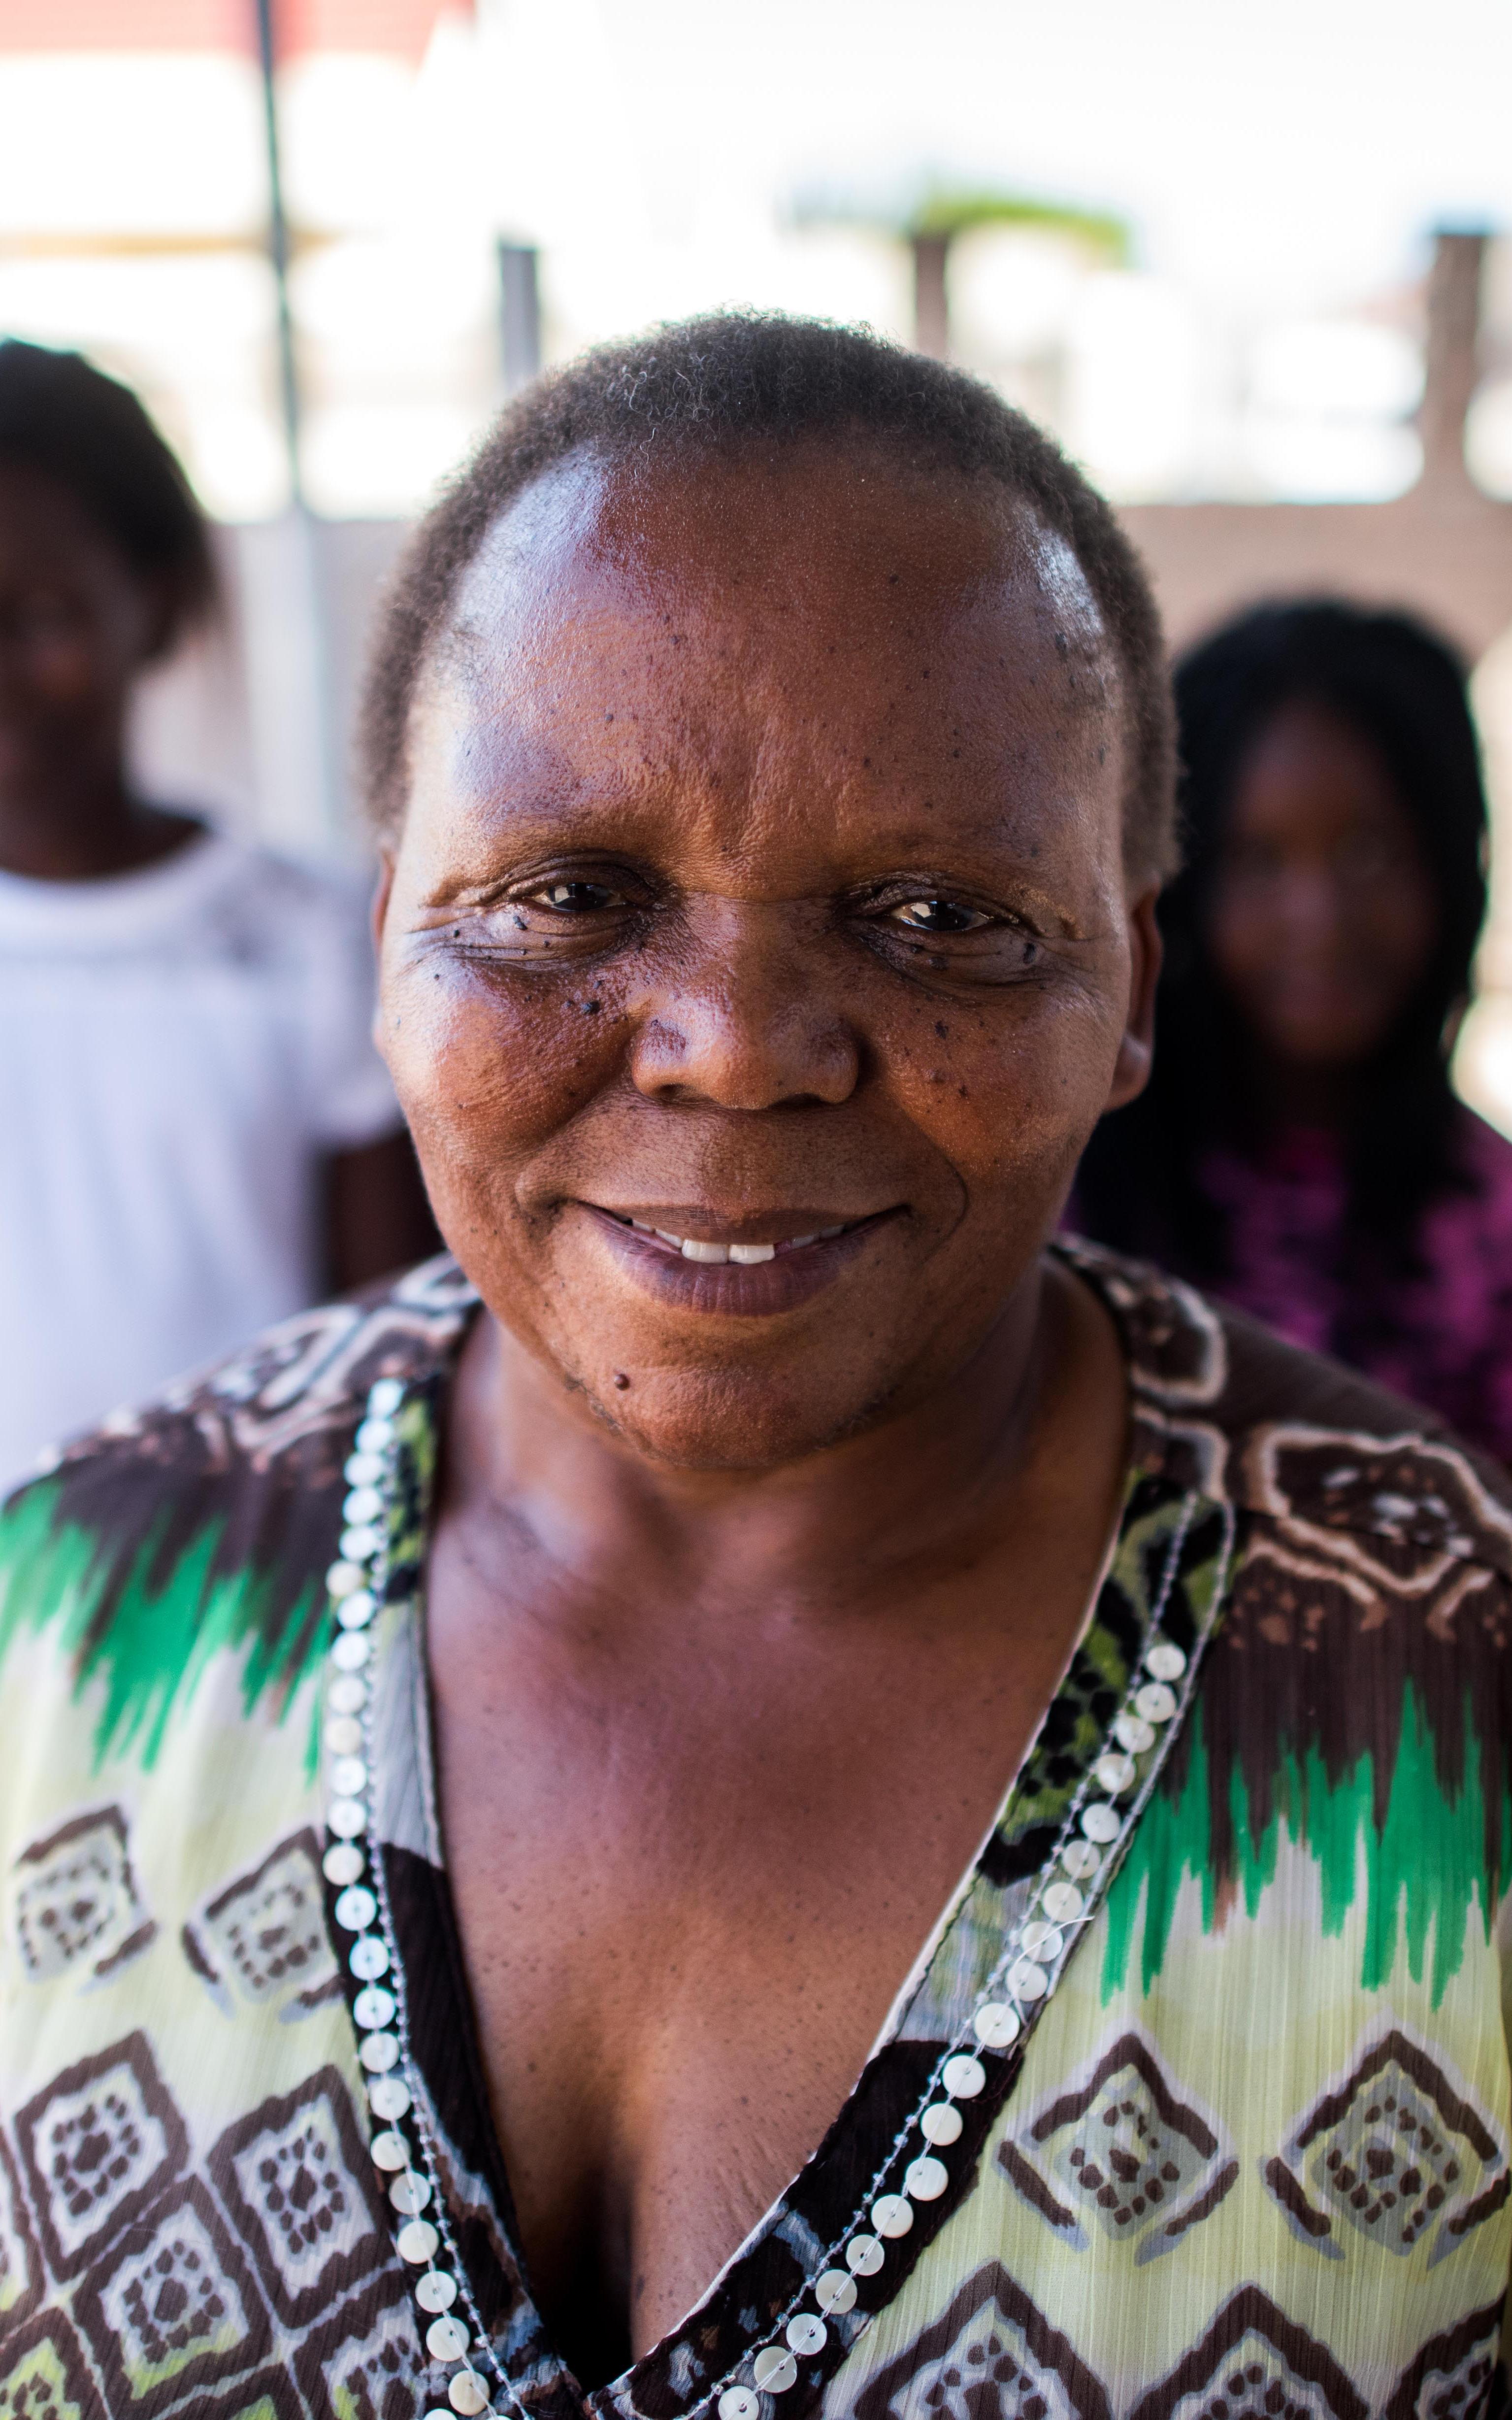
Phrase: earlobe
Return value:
(1137, 1049)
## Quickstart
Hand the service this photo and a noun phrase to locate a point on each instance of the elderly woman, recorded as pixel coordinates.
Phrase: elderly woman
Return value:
(760, 1793)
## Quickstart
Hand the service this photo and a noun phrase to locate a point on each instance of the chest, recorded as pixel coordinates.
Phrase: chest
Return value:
(175, 1035)
(691, 1893)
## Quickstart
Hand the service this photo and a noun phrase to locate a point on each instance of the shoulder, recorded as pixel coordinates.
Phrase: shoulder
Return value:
(1290, 1438)
(1342, 1779)
(196, 1530)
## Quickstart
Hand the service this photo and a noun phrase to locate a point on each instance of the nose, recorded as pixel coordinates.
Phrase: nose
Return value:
(1313, 909)
(745, 1020)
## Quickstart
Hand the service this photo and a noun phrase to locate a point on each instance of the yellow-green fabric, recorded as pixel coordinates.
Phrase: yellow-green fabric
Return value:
(1250, 2155)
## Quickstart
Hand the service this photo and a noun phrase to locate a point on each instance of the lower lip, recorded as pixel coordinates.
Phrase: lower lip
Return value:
(752, 1290)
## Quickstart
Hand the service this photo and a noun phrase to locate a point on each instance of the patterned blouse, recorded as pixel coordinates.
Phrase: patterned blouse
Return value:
(1198, 2102)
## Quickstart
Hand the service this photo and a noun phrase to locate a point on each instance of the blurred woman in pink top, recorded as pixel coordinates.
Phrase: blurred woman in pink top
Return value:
(1300, 1150)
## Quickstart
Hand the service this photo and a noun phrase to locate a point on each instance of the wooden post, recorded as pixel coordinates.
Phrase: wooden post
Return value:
(932, 304)
(1451, 367)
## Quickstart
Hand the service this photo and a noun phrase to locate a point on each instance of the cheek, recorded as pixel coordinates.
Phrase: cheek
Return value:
(1239, 937)
(487, 1074)
(1405, 929)
(64, 672)
(1009, 1087)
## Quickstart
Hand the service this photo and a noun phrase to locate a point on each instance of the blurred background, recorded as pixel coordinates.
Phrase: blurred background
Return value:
(1254, 278)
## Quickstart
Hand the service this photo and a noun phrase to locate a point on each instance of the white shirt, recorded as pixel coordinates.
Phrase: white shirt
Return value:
(178, 1048)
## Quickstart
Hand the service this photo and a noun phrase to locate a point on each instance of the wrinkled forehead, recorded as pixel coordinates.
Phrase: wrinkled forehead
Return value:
(850, 546)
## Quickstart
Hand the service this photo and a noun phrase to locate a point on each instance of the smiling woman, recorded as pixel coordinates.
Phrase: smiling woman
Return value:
(756, 1555)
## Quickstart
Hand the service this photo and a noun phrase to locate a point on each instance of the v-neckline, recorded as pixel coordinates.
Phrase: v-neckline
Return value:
(759, 2330)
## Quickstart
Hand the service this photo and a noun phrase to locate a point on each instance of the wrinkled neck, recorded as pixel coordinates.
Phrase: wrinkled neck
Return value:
(914, 1487)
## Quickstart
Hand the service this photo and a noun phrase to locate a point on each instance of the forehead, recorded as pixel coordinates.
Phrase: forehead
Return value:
(796, 621)
(1307, 749)
(852, 537)
(44, 525)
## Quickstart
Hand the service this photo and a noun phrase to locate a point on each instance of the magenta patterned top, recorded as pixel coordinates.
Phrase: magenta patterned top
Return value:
(1443, 1338)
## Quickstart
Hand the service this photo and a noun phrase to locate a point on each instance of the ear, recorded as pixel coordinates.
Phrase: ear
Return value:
(1137, 1049)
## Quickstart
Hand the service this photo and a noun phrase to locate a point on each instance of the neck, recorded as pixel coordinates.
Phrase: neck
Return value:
(1287, 1093)
(85, 826)
(923, 1491)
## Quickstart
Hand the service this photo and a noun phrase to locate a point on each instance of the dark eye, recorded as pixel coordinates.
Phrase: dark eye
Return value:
(936, 916)
(575, 898)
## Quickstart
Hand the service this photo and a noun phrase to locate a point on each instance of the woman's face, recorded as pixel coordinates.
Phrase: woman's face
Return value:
(1323, 918)
(757, 958)
(76, 625)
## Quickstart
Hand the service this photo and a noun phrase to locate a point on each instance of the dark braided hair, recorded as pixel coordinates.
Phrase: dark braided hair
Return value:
(1400, 686)
(711, 385)
(61, 417)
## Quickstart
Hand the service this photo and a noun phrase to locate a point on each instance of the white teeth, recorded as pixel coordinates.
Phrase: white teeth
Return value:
(744, 1256)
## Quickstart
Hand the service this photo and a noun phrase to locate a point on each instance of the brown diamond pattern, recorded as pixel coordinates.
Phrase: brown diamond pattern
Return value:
(174, 2308)
(1120, 2151)
(75, 1905)
(261, 1941)
(1396, 2154)
(1453, 2377)
(42, 2374)
(367, 2362)
(297, 2181)
(993, 2355)
(99, 2144)
(1254, 2363)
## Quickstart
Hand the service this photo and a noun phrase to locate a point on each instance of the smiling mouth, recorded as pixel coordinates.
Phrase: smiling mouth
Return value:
(745, 1271)
(709, 1254)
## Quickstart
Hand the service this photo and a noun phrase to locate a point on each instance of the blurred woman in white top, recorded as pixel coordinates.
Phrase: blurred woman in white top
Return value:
(197, 1135)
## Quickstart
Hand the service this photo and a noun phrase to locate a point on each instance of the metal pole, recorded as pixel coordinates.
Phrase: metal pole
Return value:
(278, 251)
(301, 699)
(519, 300)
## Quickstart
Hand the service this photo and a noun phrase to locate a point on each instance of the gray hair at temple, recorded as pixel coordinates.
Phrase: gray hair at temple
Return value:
(710, 385)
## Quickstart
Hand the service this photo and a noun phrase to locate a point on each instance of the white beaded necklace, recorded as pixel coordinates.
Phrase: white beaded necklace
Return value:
(1092, 1835)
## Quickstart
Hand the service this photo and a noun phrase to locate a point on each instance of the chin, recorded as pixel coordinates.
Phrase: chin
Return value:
(725, 1419)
